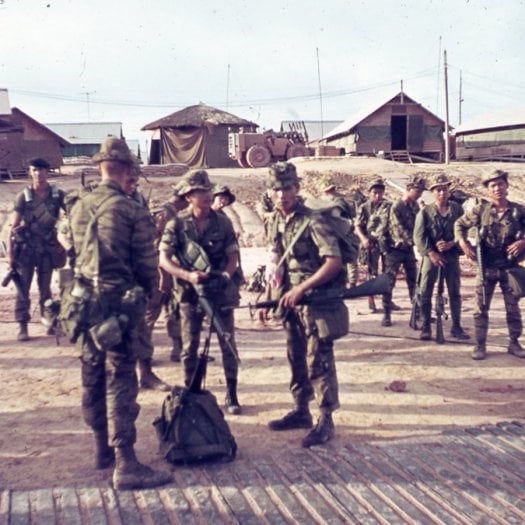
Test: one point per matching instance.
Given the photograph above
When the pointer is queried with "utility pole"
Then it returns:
(320, 91)
(228, 88)
(447, 145)
(460, 94)
(87, 93)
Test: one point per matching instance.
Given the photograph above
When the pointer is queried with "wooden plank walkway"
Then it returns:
(470, 476)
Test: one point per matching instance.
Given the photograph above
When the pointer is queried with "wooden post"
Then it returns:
(447, 145)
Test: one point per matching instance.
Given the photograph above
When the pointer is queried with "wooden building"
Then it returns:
(495, 136)
(399, 128)
(196, 136)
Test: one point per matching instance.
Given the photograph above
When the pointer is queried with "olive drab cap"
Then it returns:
(439, 179)
(39, 163)
(224, 190)
(415, 181)
(493, 175)
(376, 182)
(116, 150)
(195, 180)
(281, 175)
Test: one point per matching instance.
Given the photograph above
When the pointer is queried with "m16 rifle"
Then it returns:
(440, 307)
(480, 235)
(376, 285)
(12, 275)
(416, 302)
(370, 275)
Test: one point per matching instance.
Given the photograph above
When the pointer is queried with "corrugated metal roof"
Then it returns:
(87, 132)
(497, 119)
(352, 122)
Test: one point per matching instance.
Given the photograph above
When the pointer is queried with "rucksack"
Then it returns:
(192, 428)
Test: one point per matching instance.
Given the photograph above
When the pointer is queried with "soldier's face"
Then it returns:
(497, 189)
(376, 194)
(441, 194)
(38, 175)
(285, 198)
(200, 198)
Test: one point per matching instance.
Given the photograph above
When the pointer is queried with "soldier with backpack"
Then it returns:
(115, 273)
(32, 243)
(310, 258)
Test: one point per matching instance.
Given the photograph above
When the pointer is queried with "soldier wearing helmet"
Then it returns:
(310, 258)
(500, 227)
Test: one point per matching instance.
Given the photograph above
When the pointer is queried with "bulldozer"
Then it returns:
(258, 150)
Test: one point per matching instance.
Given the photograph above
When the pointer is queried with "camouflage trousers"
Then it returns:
(311, 360)
(491, 277)
(41, 263)
(156, 305)
(192, 319)
(394, 259)
(109, 390)
(452, 276)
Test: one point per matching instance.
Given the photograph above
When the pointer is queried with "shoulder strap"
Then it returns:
(298, 234)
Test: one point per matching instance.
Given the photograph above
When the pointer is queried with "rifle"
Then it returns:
(14, 276)
(376, 285)
(370, 275)
(440, 307)
(416, 302)
(479, 257)
(202, 290)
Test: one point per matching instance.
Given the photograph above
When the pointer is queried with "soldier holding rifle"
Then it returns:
(500, 226)
(199, 247)
(310, 258)
(434, 240)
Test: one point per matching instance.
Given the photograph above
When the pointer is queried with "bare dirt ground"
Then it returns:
(44, 442)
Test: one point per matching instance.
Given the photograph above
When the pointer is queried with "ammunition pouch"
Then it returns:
(76, 305)
(330, 319)
(109, 333)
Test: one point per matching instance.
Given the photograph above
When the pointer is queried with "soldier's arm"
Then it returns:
(15, 223)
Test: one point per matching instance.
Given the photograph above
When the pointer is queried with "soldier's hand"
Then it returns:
(444, 246)
(292, 297)
(468, 250)
(197, 277)
(516, 248)
(436, 258)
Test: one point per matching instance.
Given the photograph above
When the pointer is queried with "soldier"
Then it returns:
(113, 258)
(500, 224)
(222, 197)
(347, 210)
(210, 238)
(312, 259)
(372, 230)
(402, 218)
(434, 240)
(32, 239)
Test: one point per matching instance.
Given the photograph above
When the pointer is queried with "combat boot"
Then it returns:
(129, 474)
(480, 352)
(426, 333)
(458, 333)
(104, 454)
(22, 333)
(298, 418)
(515, 348)
(321, 433)
(148, 380)
(387, 320)
(232, 405)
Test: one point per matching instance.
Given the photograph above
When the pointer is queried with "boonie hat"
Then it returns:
(493, 175)
(282, 175)
(39, 163)
(415, 181)
(116, 150)
(439, 179)
(195, 180)
(224, 190)
(327, 184)
(376, 182)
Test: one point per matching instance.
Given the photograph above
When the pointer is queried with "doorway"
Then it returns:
(398, 132)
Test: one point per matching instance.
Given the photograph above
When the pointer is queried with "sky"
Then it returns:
(266, 61)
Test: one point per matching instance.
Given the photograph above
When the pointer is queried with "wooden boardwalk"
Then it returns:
(470, 476)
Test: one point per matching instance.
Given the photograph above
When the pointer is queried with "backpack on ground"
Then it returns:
(191, 427)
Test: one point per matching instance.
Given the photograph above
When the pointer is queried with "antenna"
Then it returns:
(438, 73)
(228, 88)
(320, 91)
(447, 145)
(461, 99)
(87, 93)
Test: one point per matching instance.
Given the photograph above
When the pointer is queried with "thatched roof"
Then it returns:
(197, 116)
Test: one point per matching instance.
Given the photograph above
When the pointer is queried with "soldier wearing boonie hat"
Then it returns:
(195, 180)
(500, 227)
(282, 175)
(376, 182)
(434, 239)
(116, 150)
(416, 181)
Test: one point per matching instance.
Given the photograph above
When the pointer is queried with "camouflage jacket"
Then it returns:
(498, 231)
(431, 226)
(124, 254)
(374, 222)
(402, 220)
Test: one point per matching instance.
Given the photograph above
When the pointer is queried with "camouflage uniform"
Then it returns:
(430, 227)
(310, 329)
(127, 257)
(497, 231)
(39, 219)
(218, 240)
